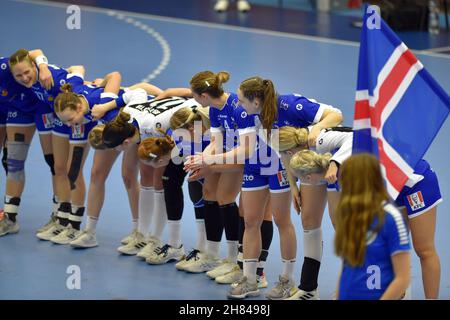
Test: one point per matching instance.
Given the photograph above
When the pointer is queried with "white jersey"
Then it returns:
(153, 116)
(335, 141)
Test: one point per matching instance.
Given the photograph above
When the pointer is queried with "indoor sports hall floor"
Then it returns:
(168, 51)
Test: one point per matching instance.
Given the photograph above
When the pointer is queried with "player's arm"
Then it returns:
(45, 76)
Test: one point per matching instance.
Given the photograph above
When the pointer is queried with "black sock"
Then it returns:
(76, 217)
(230, 218)
(310, 274)
(266, 240)
(213, 221)
(241, 240)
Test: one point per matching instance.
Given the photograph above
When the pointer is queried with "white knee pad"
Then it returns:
(17, 154)
(313, 244)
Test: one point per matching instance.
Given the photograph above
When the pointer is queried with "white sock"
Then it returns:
(174, 228)
(250, 266)
(91, 224)
(232, 247)
(288, 268)
(312, 243)
(146, 196)
(135, 224)
(201, 235)
(212, 248)
(160, 214)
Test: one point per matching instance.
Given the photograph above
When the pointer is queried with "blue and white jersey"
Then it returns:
(225, 120)
(335, 141)
(371, 280)
(11, 92)
(60, 77)
(297, 111)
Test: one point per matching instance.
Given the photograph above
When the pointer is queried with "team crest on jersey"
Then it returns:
(415, 201)
(158, 125)
(320, 141)
(47, 120)
(284, 105)
(282, 178)
(4, 93)
(299, 107)
(3, 66)
(50, 98)
(243, 114)
(62, 81)
(78, 131)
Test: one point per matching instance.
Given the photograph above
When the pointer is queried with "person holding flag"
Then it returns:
(393, 88)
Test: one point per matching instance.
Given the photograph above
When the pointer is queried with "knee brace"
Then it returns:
(51, 162)
(17, 154)
(4, 157)
(196, 193)
(75, 165)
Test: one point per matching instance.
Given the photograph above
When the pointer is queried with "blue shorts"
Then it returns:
(40, 115)
(75, 134)
(423, 196)
(253, 180)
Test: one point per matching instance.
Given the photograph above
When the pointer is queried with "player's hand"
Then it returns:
(199, 174)
(194, 163)
(331, 174)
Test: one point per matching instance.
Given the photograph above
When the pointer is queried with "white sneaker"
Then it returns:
(203, 264)
(7, 226)
(225, 267)
(282, 289)
(243, 6)
(86, 239)
(297, 294)
(260, 280)
(165, 254)
(134, 246)
(51, 232)
(66, 236)
(221, 5)
(48, 225)
(231, 277)
(148, 250)
(128, 238)
(243, 289)
(192, 256)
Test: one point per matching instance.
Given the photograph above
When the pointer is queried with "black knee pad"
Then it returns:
(196, 193)
(75, 165)
(50, 160)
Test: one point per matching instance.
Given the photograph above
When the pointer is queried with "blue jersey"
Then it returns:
(11, 92)
(96, 95)
(226, 120)
(297, 111)
(60, 77)
(371, 280)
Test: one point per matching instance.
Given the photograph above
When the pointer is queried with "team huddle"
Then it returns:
(272, 150)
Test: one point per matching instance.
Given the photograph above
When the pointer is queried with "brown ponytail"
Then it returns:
(67, 99)
(263, 89)
(152, 148)
(209, 82)
(118, 130)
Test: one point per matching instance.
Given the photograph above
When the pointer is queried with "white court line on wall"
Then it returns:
(224, 27)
